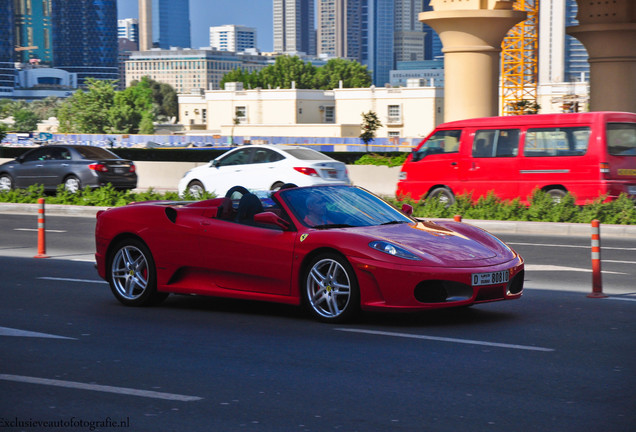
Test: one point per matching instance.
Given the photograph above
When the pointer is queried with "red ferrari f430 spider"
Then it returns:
(335, 249)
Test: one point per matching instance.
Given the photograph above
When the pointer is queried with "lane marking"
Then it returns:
(570, 246)
(621, 298)
(6, 331)
(99, 388)
(548, 267)
(444, 339)
(72, 280)
(35, 229)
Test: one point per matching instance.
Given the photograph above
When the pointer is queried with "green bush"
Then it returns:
(542, 207)
(388, 159)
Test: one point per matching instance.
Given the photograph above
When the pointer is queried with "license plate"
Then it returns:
(332, 174)
(491, 278)
(120, 170)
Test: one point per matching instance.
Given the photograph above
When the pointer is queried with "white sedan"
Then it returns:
(263, 167)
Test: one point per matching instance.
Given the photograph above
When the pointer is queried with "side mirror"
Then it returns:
(269, 218)
(407, 209)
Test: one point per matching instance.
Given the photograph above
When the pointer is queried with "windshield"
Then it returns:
(95, 153)
(621, 139)
(307, 154)
(339, 206)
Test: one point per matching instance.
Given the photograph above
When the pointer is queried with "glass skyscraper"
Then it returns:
(379, 22)
(171, 23)
(85, 38)
(575, 54)
(294, 29)
(7, 48)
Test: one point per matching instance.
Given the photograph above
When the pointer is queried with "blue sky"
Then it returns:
(207, 13)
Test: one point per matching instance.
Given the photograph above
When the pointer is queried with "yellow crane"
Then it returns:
(26, 48)
(519, 63)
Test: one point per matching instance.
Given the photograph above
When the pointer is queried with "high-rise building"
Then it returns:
(85, 38)
(164, 24)
(234, 38)
(33, 31)
(7, 48)
(409, 31)
(128, 28)
(562, 58)
(432, 42)
(294, 29)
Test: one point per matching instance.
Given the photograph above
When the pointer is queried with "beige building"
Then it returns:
(406, 112)
(187, 69)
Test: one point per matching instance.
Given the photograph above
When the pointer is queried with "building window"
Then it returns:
(240, 114)
(394, 114)
(330, 114)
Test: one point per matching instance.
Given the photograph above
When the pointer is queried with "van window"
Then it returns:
(621, 139)
(496, 143)
(567, 141)
(445, 141)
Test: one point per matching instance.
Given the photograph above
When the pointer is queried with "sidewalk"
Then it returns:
(504, 227)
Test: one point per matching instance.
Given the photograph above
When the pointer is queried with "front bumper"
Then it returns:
(385, 286)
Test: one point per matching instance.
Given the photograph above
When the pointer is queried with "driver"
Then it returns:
(316, 211)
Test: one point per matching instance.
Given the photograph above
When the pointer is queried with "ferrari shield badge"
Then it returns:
(303, 237)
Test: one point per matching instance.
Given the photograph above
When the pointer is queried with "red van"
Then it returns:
(586, 154)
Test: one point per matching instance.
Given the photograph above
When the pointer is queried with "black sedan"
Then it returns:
(73, 166)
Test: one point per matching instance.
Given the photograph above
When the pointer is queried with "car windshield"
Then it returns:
(95, 153)
(339, 207)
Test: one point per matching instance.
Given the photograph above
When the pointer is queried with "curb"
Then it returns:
(501, 227)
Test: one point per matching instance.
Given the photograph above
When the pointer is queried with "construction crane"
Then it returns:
(519, 63)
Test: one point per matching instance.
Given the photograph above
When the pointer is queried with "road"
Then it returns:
(73, 356)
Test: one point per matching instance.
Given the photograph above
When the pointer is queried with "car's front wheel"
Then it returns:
(132, 275)
(6, 182)
(195, 189)
(331, 290)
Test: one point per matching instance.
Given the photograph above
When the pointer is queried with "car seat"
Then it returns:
(249, 205)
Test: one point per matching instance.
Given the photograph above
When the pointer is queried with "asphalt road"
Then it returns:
(71, 355)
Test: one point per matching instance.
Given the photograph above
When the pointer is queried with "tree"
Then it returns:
(370, 124)
(288, 69)
(88, 111)
(3, 131)
(25, 120)
(351, 73)
(164, 97)
(101, 109)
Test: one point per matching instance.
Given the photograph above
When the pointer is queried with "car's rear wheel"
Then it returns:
(72, 184)
(6, 182)
(556, 195)
(195, 189)
(331, 290)
(132, 274)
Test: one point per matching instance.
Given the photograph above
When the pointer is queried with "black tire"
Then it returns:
(132, 274)
(195, 189)
(556, 195)
(330, 289)
(236, 190)
(6, 182)
(276, 186)
(442, 194)
(72, 184)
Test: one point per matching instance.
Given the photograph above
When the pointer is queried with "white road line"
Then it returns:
(621, 298)
(571, 246)
(73, 280)
(444, 339)
(99, 388)
(6, 331)
(548, 267)
(35, 229)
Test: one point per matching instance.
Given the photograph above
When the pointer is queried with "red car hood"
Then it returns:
(447, 242)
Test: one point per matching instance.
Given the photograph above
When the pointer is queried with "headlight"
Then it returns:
(391, 249)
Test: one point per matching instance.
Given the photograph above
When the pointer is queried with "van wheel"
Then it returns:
(556, 195)
(444, 195)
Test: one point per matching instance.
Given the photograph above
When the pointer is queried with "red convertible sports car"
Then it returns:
(333, 249)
